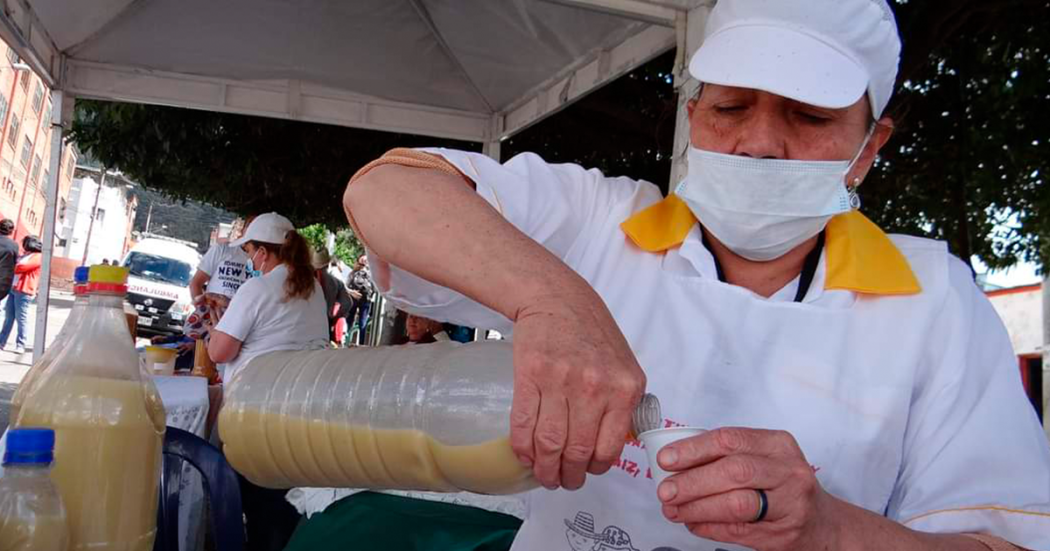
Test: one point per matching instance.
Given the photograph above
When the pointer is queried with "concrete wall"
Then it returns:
(1021, 310)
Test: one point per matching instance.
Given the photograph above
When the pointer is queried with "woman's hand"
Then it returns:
(576, 383)
(714, 491)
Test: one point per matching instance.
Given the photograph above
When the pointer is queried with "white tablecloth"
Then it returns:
(186, 407)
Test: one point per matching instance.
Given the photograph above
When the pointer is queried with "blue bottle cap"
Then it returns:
(80, 275)
(30, 446)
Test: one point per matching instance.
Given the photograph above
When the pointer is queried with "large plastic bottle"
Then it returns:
(109, 426)
(418, 417)
(31, 514)
(76, 314)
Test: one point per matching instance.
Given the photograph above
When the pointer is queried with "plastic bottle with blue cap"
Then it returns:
(32, 517)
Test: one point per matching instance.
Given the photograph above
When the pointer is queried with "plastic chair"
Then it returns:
(220, 485)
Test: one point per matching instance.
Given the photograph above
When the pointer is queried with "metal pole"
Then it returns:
(61, 116)
(1046, 356)
(94, 214)
(689, 31)
(149, 216)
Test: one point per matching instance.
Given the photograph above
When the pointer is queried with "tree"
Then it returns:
(347, 247)
(966, 165)
(247, 165)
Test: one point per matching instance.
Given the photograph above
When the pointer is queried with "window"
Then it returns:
(36, 170)
(38, 97)
(159, 268)
(100, 215)
(27, 152)
(12, 56)
(47, 116)
(25, 80)
(12, 133)
(70, 165)
(45, 182)
(3, 109)
(61, 212)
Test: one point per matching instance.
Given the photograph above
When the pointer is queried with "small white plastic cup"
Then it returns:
(655, 440)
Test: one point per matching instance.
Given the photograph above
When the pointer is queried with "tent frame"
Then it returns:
(671, 23)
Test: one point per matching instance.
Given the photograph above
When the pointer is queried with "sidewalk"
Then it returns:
(12, 366)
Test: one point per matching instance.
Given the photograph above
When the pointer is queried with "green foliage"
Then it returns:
(971, 149)
(347, 247)
(316, 235)
(246, 165)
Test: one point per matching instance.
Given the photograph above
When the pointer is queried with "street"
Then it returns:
(12, 366)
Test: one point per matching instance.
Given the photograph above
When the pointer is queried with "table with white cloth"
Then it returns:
(186, 407)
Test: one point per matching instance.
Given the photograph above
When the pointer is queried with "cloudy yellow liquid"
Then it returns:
(108, 436)
(283, 451)
(42, 534)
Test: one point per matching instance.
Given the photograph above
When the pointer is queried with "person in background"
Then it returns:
(8, 257)
(281, 309)
(222, 271)
(361, 288)
(422, 330)
(105, 262)
(27, 272)
(337, 301)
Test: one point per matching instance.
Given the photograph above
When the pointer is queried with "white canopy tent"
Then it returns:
(476, 70)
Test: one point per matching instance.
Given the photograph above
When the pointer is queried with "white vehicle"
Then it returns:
(158, 284)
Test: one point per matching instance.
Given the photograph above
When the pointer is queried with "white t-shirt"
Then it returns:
(263, 321)
(910, 406)
(227, 268)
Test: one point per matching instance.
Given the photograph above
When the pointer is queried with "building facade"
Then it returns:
(1021, 309)
(25, 147)
(96, 218)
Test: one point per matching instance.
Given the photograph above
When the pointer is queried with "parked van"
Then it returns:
(159, 276)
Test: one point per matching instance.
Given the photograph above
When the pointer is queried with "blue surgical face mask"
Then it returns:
(250, 266)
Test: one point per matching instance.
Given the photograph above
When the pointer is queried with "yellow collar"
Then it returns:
(860, 257)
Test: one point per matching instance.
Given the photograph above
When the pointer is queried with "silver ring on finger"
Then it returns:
(763, 506)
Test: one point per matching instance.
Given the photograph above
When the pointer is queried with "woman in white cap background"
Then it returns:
(281, 309)
(862, 391)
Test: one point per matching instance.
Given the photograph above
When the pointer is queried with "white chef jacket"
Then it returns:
(894, 373)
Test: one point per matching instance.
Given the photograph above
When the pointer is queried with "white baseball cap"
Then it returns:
(266, 228)
(825, 53)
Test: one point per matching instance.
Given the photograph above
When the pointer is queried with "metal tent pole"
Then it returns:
(61, 118)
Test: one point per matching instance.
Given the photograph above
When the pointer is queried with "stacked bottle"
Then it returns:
(109, 425)
(421, 417)
(31, 514)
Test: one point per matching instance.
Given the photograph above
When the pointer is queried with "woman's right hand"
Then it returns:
(576, 384)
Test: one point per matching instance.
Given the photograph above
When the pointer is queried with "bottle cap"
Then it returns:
(80, 275)
(111, 279)
(30, 446)
(117, 275)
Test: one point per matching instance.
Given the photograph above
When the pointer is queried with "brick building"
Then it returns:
(25, 147)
